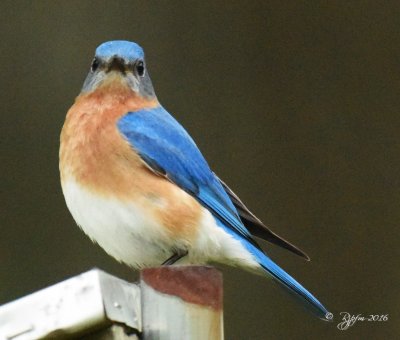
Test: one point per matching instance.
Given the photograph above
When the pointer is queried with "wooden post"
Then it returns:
(181, 303)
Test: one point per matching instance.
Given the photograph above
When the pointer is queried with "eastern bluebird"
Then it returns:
(136, 183)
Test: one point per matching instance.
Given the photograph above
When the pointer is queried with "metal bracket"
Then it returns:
(91, 300)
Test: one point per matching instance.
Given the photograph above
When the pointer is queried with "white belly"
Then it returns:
(128, 234)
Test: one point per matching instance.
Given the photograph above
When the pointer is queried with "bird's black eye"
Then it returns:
(140, 68)
(95, 64)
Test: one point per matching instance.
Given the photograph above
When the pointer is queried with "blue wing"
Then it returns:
(169, 150)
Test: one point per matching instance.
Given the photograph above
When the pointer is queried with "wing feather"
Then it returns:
(169, 151)
(257, 228)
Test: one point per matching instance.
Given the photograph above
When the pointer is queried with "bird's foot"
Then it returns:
(175, 257)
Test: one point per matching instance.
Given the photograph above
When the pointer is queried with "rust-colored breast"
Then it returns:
(92, 150)
(94, 154)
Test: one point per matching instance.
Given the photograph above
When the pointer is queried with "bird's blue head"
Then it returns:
(123, 59)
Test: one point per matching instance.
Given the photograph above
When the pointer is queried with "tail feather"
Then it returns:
(300, 293)
(278, 274)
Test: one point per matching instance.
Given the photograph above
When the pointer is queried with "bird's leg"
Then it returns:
(175, 257)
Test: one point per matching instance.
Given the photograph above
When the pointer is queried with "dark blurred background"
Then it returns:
(295, 105)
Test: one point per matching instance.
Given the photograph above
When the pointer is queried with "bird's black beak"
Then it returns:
(116, 64)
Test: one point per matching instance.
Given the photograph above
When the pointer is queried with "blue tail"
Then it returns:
(278, 274)
(302, 294)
